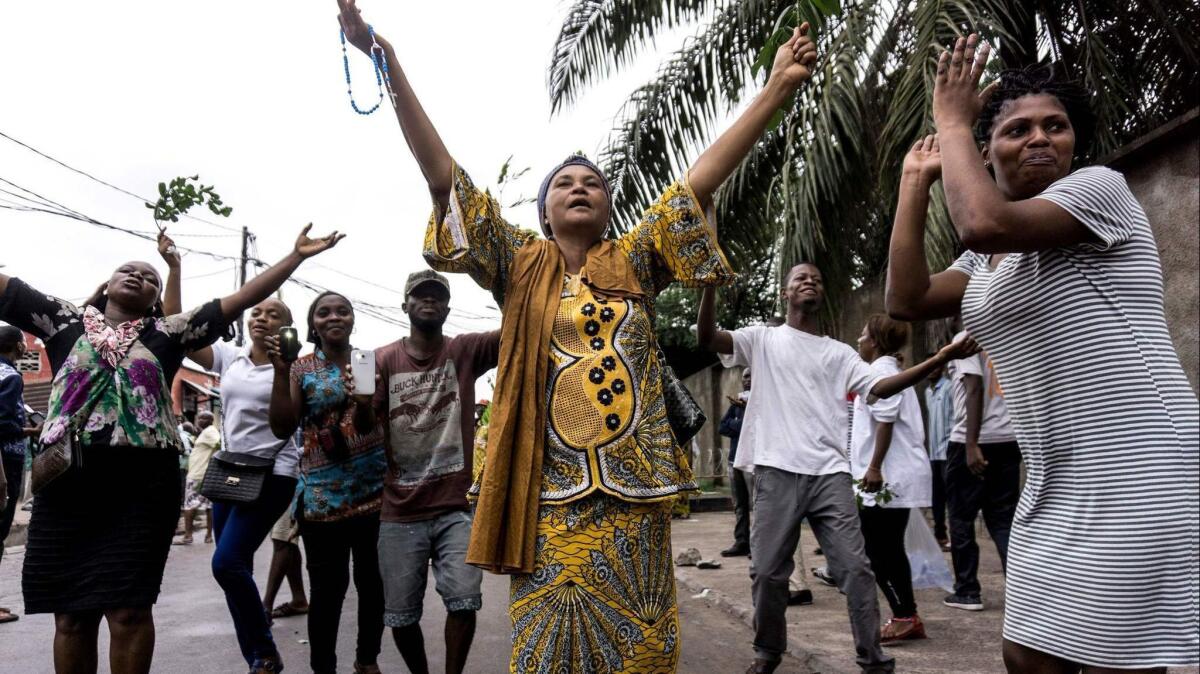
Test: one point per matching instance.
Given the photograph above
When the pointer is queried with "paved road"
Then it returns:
(196, 635)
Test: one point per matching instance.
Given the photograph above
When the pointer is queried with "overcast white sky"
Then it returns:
(251, 96)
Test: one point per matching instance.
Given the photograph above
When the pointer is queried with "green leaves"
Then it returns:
(181, 194)
(821, 182)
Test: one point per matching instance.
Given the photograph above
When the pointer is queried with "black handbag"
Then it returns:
(235, 477)
(683, 412)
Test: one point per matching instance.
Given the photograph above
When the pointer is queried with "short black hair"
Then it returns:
(1050, 79)
(10, 337)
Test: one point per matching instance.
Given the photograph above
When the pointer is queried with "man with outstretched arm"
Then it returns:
(793, 440)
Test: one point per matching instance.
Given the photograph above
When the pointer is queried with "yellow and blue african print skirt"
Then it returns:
(602, 595)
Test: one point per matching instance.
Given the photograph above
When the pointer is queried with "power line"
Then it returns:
(108, 184)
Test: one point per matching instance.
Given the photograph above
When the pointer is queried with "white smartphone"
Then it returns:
(362, 366)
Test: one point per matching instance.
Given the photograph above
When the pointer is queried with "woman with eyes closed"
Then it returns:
(1063, 287)
(574, 499)
(342, 469)
(113, 362)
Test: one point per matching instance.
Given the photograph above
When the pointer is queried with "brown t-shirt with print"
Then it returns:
(427, 409)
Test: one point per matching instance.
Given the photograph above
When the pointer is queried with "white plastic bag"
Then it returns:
(929, 567)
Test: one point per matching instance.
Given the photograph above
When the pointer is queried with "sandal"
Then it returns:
(186, 540)
(7, 616)
(287, 610)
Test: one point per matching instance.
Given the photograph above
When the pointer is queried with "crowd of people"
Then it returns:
(570, 486)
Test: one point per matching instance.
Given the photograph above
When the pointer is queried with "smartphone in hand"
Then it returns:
(362, 366)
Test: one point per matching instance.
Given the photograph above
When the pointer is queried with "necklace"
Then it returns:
(382, 77)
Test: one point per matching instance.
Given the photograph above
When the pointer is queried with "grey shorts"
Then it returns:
(405, 552)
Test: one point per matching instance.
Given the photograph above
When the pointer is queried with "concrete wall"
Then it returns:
(1163, 170)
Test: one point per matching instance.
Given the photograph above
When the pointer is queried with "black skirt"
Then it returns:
(99, 535)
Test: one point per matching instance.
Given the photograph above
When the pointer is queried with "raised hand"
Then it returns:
(959, 349)
(795, 58)
(306, 247)
(167, 249)
(924, 160)
(957, 99)
(353, 25)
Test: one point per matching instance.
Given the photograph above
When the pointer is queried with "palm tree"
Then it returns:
(821, 184)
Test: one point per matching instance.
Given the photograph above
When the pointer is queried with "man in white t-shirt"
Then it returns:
(983, 472)
(793, 439)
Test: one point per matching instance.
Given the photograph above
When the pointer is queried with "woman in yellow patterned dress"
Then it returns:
(581, 465)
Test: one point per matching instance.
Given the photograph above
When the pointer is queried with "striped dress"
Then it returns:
(1103, 560)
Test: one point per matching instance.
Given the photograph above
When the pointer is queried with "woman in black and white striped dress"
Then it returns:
(1062, 286)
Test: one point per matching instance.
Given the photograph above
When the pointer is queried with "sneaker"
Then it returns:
(800, 598)
(902, 629)
(738, 550)
(821, 573)
(963, 602)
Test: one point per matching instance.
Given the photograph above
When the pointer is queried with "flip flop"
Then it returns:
(286, 610)
(7, 616)
(182, 541)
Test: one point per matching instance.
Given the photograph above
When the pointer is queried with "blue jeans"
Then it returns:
(239, 529)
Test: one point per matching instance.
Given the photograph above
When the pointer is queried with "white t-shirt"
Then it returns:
(995, 426)
(245, 401)
(797, 419)
(906, 467)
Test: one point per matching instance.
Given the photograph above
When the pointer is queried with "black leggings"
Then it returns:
(883, 533)
(328, 547)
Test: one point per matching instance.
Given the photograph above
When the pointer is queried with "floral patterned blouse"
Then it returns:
(341, 472)
(131, 403)
(607, 426)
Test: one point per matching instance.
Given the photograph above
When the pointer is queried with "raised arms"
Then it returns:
(793, 63)
(422, 138)
(707, 334)
(912, 294)
(173, 293)
(260, 287)
(987, 221)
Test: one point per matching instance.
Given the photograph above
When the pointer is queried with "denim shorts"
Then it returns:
(405, 552)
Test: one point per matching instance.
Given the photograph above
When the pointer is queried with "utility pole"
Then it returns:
(241, 329)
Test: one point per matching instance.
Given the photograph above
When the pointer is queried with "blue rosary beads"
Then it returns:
(379, 61)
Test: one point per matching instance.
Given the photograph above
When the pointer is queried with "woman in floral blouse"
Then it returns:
(113, 362)
(341, 482)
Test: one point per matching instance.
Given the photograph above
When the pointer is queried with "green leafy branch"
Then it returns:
(882, 497)
(181, 194)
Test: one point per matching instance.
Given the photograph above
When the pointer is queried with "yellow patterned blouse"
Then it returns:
(607, 424)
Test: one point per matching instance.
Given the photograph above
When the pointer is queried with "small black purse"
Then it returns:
(235, 477)
(683, 412)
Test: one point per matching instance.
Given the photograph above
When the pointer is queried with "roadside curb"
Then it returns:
(812, 662)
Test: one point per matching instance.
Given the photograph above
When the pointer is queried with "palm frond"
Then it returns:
(599, 37)
(666, 118)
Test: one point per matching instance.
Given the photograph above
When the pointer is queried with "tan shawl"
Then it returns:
(505, 528)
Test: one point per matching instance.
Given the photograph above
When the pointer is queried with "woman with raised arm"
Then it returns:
(1061, 268)
(247, 376)
(582, 467)
(113, 361)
